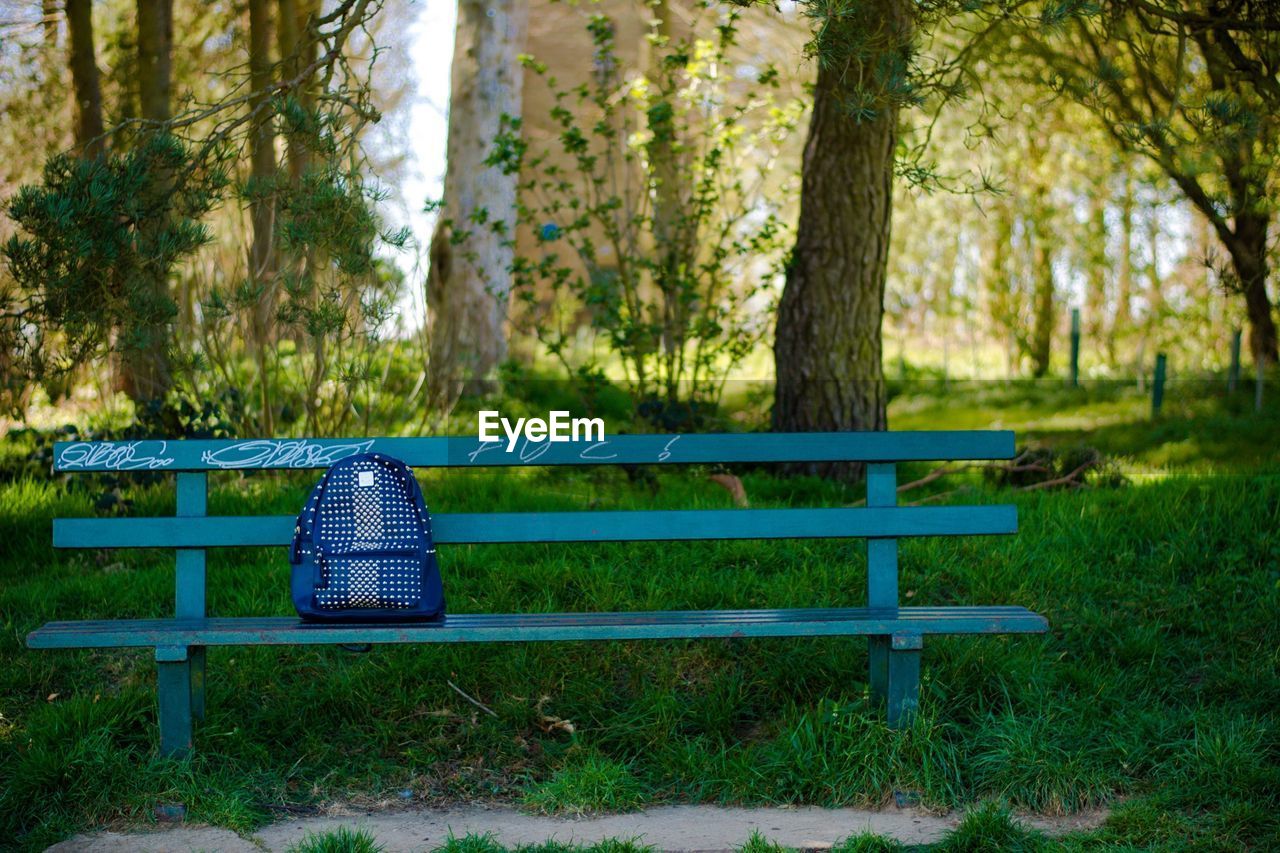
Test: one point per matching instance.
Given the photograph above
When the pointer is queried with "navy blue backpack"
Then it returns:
(362, 548)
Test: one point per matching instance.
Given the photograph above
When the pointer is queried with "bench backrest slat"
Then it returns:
(599, 526)
(468, 451)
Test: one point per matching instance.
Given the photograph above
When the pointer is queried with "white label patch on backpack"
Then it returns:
(366, 478)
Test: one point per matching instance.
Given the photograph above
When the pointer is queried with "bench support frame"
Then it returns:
(894, 660)
(173, 689)
(903, 694)
(187, 669)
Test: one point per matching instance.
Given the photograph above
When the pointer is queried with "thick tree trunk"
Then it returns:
(86, 87)
(1244, 236)
(1245, 239)
(827, 351)
(468, 283)
(147, 374)
(1249, 259)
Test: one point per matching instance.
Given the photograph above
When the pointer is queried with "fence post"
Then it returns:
(1260, 365)
(1157, 386)
(1233, 376)
(1075, 347)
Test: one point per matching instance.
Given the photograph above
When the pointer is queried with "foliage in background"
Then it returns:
(93, 233)
(320, 366)
(304, 343)
(653, 230)
(1192, 87)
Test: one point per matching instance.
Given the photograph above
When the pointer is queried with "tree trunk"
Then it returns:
(85, 84)
(297, 51)
(1001, 299)
(155, 58)
(1096, 263)
(1155, 288)
(1249, 259)
(1123, 320)
(468, 282)
(1245, 239)
(674, 245)
(1042, 314)
(827, 351)
(147, 375)
(262, 169)
(262, 157)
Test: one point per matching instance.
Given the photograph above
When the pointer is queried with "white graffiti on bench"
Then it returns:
(278, 453)
(115, 456)
(529, 451)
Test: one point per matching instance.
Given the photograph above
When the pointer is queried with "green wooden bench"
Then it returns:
(896, 634)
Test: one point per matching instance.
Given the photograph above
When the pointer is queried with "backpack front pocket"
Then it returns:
(390, 580)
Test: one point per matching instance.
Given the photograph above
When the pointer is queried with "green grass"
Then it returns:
(587, 784)
(1199, 428)
(991, 827)
(340, 840)
(1155, 692)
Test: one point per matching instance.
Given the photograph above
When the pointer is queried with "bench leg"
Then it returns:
(878, 653)
(173, 688)
(904, 679)
(196, 666)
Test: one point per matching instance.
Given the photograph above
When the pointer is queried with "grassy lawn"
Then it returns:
(1155, 692)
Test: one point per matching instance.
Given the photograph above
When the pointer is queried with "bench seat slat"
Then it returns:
(601, 526)
(468, 452)
(508, 627)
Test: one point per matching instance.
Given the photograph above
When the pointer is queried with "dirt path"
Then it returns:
(673, 828)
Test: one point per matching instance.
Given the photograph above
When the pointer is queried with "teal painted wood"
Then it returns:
(904, 679)
(882, 575)
(882, 553)
(193, 494)
(189, 580)
(173, 693)
(468, 451)
(619, 526)
(524, 627)
(189, 587)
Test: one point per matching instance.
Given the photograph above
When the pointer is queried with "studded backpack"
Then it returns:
(362, 548)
